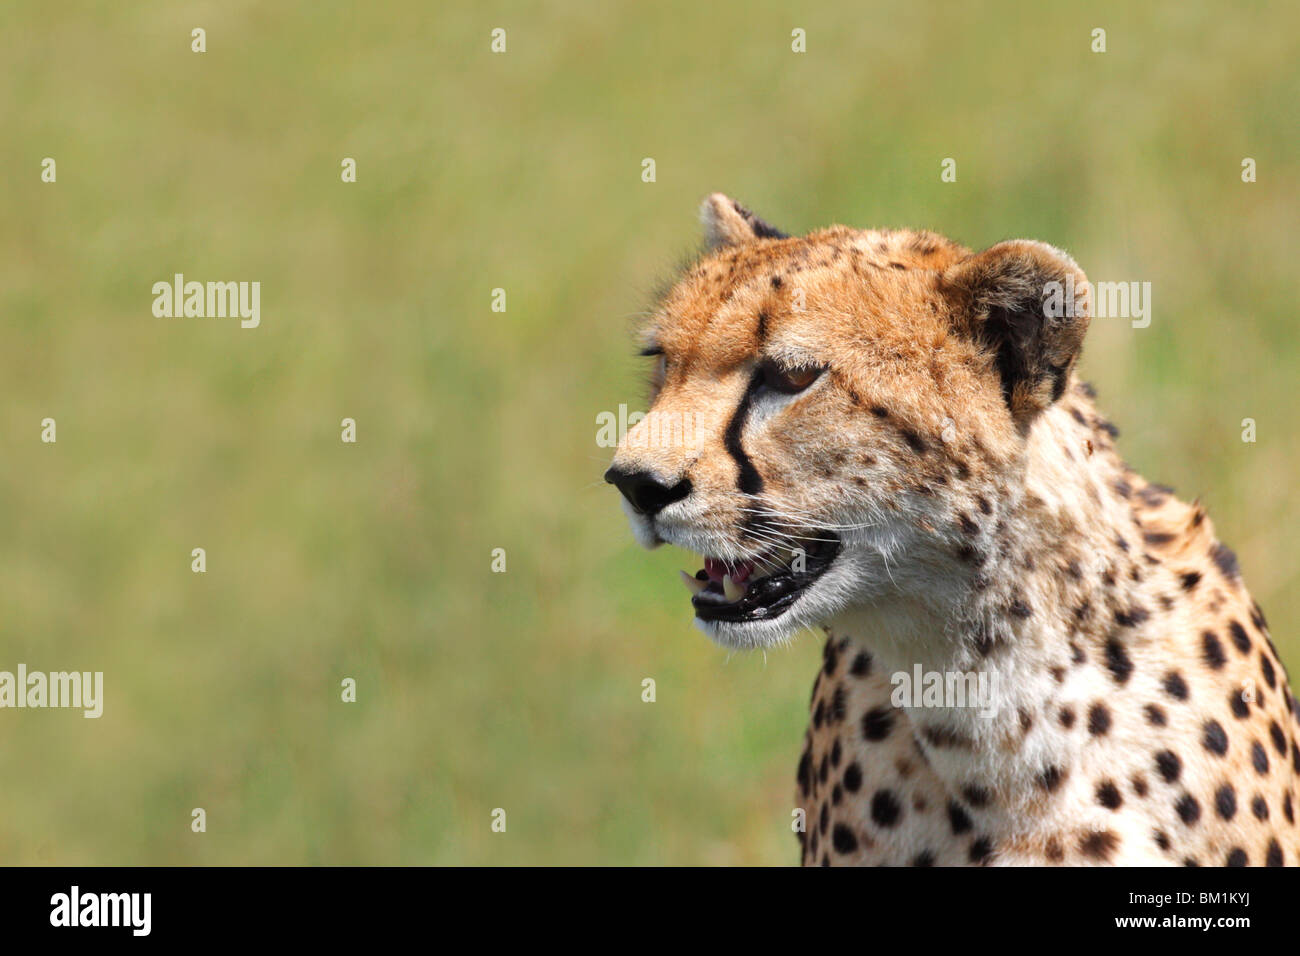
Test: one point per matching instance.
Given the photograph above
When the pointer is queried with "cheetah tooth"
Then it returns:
(731, 590)
(696, 586)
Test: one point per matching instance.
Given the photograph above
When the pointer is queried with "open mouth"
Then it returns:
(763, 588)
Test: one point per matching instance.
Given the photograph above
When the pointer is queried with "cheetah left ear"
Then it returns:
(1028, 304)
(728, 223)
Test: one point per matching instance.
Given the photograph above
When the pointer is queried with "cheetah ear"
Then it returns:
(1028, 303)
(728, 223)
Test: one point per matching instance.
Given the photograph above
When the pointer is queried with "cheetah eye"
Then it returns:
(789, 380)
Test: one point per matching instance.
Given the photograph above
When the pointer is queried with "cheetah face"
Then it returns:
(815, 404)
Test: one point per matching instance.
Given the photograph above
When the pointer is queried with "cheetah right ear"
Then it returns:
(728, 223)
(1028, 304)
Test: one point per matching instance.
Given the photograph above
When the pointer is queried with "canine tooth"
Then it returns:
(730, 589)
(692, 583)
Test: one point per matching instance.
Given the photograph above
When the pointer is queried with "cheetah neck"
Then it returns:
(1060, 570)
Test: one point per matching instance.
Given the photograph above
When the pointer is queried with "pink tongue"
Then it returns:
(715, 569)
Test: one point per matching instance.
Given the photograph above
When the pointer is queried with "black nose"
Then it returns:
(645, 492)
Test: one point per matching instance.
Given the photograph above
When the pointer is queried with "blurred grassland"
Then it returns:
(476, 429)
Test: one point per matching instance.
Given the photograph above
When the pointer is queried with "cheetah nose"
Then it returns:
(646, 493)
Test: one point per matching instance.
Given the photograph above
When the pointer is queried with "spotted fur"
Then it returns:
(987, 525)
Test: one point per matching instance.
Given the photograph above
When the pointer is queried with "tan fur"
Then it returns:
(993, 529)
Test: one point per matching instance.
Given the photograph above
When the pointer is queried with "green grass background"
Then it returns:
(477, 429)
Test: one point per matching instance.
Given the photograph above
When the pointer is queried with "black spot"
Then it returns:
(1020, 609)
(975, 796)
(1139, 785)
(843, 840)
(825, 819)
(1175, 686)
(839, 708)
(852, 778)
(1051, 778)
(885, 809)
(1189, 810)
(837, 795)
(1162, 840)
(925, 858)
(861, 665)
(1214, 738)
(1288, 809)
(1236, 857)
(805, 772)
(836, 753)
(1132, 617)
(877, 723)
(1169, 765)
(1067, 717)
(1259, 807)
(1212, 649)
(1098, 719)
(830, 658)
(1155, 715)
(1117, 660)
(879, 412)
(984, 642)
(968, 526)
(1190, 861)
(981, 850)
(958, 817)
(1190, 579)
(1258, 758)
(1225, 802)
(1108, 795)
(1239, 636)
(1225, 561)
(1279, 738)
(1240, 709)
(776, 282)
(914, 440)
(1266, 668)
(1274, 855)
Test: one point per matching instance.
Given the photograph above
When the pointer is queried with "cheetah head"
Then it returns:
(825, 408)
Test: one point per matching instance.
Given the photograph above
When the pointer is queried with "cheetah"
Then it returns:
(889, 443)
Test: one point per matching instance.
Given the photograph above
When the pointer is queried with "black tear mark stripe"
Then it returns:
(749, 481)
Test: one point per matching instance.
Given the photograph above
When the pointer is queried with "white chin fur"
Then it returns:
(642, 530)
